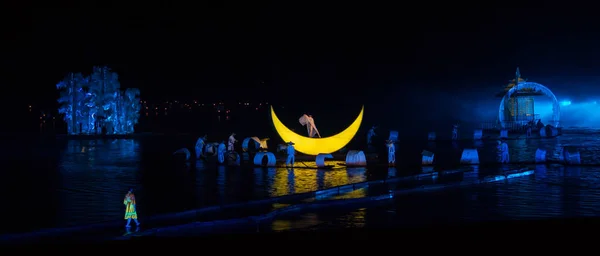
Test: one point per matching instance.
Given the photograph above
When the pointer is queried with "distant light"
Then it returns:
(565, 103)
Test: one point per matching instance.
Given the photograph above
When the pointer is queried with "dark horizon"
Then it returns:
(446, 64)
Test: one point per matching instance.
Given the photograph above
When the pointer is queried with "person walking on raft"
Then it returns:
(130, 211)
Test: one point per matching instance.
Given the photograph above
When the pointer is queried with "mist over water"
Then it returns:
(572, 113)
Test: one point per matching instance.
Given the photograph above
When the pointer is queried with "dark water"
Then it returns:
(53, 182)
(58, 182)
(556, 192)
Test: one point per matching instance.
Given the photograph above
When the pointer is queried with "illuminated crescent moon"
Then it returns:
(315, 146)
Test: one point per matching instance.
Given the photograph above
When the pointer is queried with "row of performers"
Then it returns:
(201, 147)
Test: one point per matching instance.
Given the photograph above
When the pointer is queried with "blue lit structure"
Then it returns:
(516, 107)
(96, 104)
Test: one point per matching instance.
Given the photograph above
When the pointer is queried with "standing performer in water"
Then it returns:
(130, 211)
(503, 152)
(455, 132)
(231, 142)
(391, 153)
(309, 122)
(291, 151)
(370, 135)
(221, 152)
(200, 147)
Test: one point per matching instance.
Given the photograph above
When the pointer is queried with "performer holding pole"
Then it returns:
(291, 151)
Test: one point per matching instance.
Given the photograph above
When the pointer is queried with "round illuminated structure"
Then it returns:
(532, 89)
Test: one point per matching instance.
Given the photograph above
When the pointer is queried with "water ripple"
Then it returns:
(554, 192)
(76, 182)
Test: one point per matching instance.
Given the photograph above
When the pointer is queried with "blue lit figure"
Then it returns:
(221, 152)
(231, 142)
(503, 152)
(291, 152)
(370, 135)
(455, 132)
(391, 152)
(200, 147)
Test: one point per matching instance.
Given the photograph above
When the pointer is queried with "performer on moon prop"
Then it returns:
(309, 122)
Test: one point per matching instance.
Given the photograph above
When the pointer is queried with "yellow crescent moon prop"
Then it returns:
(315, 146)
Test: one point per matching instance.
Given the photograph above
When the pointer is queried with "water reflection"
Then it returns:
(321, 179)
(84, 180)
(517, 154)
(540, 172)
(521, 150)
(573, 172)
(392, 172)
(291, 178)
(554, 191)
(129, 230)
(426, 169)
(221, 182)
(299, 222)
(357, 218)
(199, 165)
(288, 181)
(336, 178)
(355, 175)
(259, 177)
(354, 194)
(94, 176)
(431, 145)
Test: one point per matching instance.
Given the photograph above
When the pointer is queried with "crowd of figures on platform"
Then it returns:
(96, 104)
(227, 154)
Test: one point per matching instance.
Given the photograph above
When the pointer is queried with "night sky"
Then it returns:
(444, 60)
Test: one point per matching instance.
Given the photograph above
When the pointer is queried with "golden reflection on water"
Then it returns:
(279, 206)
(307, 220)
(288, 181)
(356, 175)
(359, 193)
(357, 218)
(280, 185)
(335, 178)
(305, 180)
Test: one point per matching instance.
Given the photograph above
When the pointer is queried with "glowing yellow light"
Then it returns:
(315, 146)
